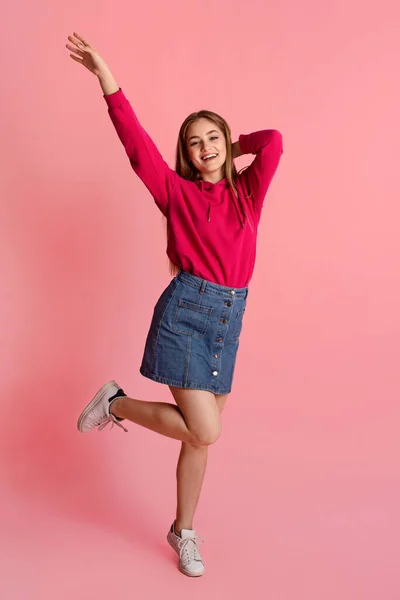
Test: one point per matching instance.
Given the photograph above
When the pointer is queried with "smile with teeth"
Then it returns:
(209, 156)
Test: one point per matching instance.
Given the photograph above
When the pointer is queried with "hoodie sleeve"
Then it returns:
(267, 146)
(143, 154)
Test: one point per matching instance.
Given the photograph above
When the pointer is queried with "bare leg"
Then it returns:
(190, 473)
(196, 422)
(164, 418)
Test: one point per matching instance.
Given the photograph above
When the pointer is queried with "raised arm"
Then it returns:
(144, 156)
(268, 147)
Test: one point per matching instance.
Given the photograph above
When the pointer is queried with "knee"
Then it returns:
(206, 437)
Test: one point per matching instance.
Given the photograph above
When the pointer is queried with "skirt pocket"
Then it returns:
(191, 318)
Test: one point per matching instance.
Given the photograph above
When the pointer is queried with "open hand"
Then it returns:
(86, 55)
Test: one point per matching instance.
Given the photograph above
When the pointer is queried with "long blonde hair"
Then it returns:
(185, 168)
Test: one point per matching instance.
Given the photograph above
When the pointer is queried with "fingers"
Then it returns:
(75, 49)
(77, 43)
(79, 60)
(81, 39)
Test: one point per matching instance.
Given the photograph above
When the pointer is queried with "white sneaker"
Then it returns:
(97, 413)
(185, 545)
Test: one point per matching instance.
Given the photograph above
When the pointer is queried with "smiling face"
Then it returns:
(206, 147)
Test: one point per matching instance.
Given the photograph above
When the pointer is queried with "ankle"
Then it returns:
(115, 408)
(179, 526)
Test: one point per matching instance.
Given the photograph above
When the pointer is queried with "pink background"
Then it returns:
(301, 497)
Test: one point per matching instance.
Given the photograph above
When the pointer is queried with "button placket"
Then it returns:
(224, 319)
(219, 340)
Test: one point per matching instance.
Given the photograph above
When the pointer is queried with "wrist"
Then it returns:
(104, 73)
(107, 82)
(236, 151)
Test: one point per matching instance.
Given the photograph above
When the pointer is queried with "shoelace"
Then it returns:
(110, 419)
(188, 549)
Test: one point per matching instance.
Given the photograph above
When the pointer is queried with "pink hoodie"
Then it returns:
(212, 234)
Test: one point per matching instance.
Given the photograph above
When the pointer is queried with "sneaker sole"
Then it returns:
(182, 570)
(98, 398)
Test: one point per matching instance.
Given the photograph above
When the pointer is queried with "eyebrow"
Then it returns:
(197, 136)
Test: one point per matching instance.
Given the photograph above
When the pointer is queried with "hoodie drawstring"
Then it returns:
(237, 202)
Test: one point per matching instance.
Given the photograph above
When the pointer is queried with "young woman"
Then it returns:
(212, 217)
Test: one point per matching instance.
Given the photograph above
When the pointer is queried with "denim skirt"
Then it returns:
(194, 334)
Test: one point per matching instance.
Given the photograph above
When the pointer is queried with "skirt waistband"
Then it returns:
(210, 287)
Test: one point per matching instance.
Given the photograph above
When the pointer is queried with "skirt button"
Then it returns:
(215, 373)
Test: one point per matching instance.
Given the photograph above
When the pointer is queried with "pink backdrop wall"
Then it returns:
(302, 493)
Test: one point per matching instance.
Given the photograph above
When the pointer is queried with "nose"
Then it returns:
(204, 145)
